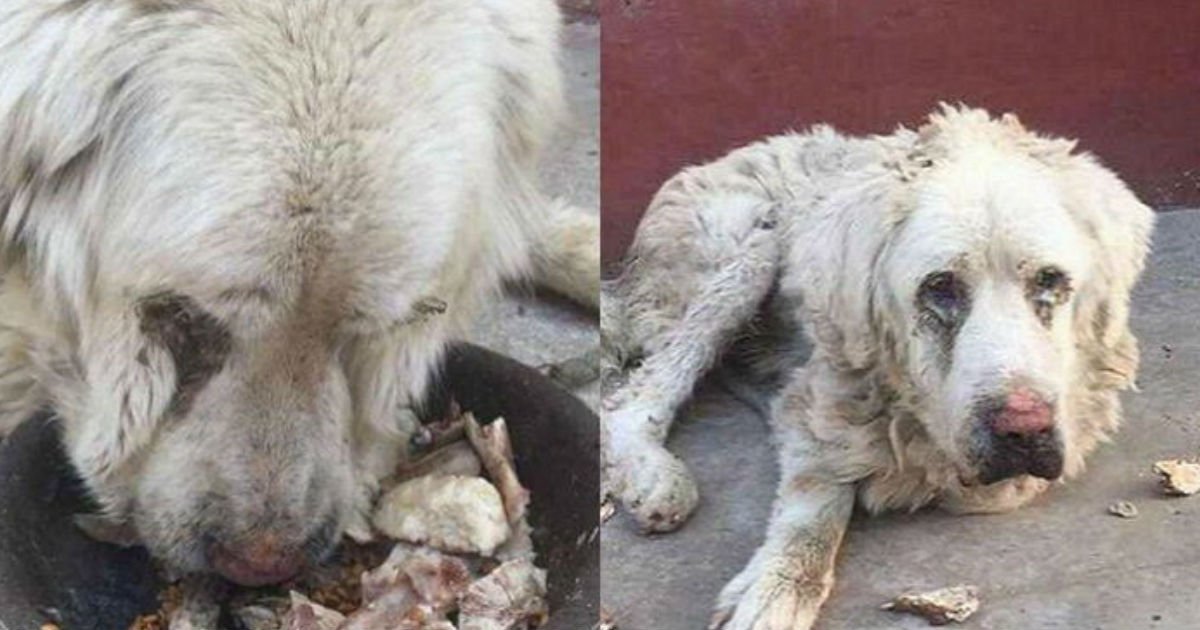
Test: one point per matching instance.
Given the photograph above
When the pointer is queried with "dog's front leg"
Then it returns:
(790, 575)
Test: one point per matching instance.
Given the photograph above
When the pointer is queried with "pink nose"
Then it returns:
(1024, 413)
(257, 562)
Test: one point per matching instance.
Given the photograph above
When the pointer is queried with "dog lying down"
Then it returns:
(236, 236)
(965, 288)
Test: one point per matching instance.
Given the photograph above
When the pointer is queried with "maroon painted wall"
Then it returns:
(686, 80)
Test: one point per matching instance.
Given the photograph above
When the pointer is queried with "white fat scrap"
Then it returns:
(1178, 477)
(308, 615)
(494, 446)
(512, 596)
(940, 607)
(451, 513)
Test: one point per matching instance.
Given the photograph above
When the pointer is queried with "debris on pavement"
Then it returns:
(1124, 509)
(607, 509)
(1178, 477)
(939, 607)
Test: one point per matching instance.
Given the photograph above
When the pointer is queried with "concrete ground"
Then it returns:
(538, 329)
(1061, 563)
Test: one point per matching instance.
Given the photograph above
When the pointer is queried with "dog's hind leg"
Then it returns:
(566, 254)
(791, 574)
(731, 260)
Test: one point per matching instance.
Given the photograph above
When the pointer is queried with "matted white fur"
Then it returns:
(836, 235)
(327, 189)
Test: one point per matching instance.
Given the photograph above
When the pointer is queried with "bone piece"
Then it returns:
(512, 596)
(494, 447)
(308, 615)
(940, 607)
(1124, 509)
(450, 513)
(1178, 477)
(432, 436)
(456, 458)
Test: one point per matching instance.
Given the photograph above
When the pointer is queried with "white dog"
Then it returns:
(966, 291)
(237, 234)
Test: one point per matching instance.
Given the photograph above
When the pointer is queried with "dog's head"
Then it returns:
(1002, 290)
(233, 384)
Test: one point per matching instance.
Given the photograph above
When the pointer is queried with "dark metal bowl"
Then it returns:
(50, 571)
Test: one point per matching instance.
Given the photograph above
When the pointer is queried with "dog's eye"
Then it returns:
(1051, 279)
(944, 295)
(1050, 287)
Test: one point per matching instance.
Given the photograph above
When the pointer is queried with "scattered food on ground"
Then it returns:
(940, 607)
(1124, 509)
(1178, 477)
(607, 509)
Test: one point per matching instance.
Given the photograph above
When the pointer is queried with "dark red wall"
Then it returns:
(686, 80)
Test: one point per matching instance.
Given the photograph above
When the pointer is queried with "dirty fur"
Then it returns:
(236, 236)
(835, 235)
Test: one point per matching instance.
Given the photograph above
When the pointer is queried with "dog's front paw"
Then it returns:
(768, 601)
(655, 486)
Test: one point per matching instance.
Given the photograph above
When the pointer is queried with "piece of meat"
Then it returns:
(512, 596)
(433, 577)
(308, 615)
(451, 513)
(494, 446)
(1178, 477)
(940, 607)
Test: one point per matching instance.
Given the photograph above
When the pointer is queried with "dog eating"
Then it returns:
(237, 235)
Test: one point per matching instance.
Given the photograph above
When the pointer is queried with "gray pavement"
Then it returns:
(1061, 563)
(538, 329)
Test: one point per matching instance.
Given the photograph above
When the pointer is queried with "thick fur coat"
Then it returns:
(237, 234)
(965, 289)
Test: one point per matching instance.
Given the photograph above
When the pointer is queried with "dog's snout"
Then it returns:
(268, 557)
(1020, 438)
(257, 561)
(1023, 414)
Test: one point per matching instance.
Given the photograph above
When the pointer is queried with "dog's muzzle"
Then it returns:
(1019, 437)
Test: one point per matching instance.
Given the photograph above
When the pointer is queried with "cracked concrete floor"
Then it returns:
(533, 328)
(1061, 563)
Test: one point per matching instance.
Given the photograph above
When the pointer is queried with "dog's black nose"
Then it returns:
(1011, 454)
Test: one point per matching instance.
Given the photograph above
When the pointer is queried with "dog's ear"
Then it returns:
(840, 284)
(130, 384)
(1119, 227)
